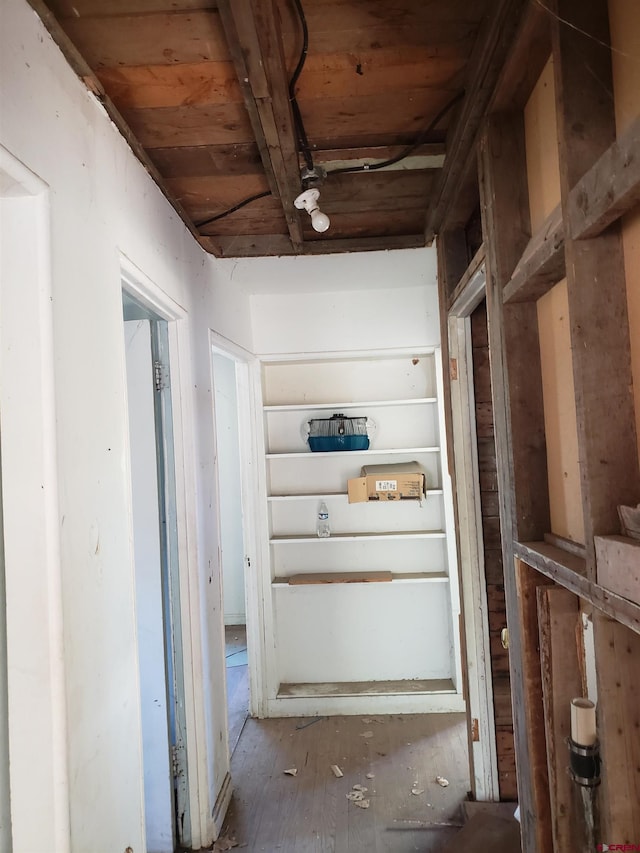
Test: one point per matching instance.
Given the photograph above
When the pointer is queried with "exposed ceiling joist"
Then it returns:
(486, 62)
(254, 39)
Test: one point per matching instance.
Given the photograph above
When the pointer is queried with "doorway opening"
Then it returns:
(226, 372)
(155, 542)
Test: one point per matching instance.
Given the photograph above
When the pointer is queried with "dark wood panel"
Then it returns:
(192, 161)
(167, 127)
(240, 224)
(409, 111)
(177, 85)
(486, 455)
(491, 532)
(490, 504)
(376, 73)
(506, 754)
(481, 375)
(559, 627)
(618, 656)
(218, 194)
(493, 570)
(484, 419)
(502, 703)
(155, 39)
(106, 8)
(370, 224)
(327, 16)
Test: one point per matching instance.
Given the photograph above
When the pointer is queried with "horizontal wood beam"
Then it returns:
(609, 189)
(569, 571)
(542, 264)
(470, 289)
(251, 246)
(529, 53)
(255, 44)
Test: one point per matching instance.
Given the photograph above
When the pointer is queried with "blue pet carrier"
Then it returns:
(338, 433)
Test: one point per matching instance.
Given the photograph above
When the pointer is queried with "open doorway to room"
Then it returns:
(152, 469)
(233, 553)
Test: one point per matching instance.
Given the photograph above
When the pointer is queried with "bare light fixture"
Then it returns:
(308, 200)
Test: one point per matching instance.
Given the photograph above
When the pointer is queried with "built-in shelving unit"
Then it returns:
(344, 630)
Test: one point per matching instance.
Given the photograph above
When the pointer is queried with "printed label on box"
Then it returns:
(386, 485)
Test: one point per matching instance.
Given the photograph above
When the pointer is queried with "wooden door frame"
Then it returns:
(249, 412)
(480, 708)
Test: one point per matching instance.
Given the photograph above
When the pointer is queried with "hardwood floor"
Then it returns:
(237, 680)
(310, 813)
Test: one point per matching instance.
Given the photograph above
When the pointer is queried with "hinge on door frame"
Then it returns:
(475, 730)
(177, 756)
(453, 369)
(160, 377)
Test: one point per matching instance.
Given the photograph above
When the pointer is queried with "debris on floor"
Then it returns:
(224, 844)
(336, 771)
(371, 775)
(366, 734)
(293, 771)
(442, 781)
(357, 796)
(416, 790)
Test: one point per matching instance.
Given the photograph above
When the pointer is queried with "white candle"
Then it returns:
(583, 722)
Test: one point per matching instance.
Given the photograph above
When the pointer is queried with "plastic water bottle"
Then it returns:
(323, 521)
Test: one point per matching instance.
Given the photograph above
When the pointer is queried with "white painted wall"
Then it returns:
(232, 540)
(389, 299)
(158, 788)
(104, 206)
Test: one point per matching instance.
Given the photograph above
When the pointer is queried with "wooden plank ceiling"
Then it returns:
(202, 86)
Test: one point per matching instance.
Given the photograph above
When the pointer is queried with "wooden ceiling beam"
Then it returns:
(254, 39)
(252, 246)
(486, 62)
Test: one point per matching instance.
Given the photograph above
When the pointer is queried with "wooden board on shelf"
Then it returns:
(340, 577)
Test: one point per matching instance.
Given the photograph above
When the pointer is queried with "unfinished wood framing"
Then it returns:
(254, 40)
(517, 401)
(609, 189)
(534, 800)
(603, 385)
(618, 653)
(558, 621)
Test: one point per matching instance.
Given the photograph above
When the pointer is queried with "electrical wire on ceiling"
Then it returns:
(303, 141)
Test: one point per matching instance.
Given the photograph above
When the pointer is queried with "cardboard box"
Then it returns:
(394, 482)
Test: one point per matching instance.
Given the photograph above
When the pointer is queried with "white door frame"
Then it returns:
(152, 296)
(35, 646)
(249, 433)
(471, 550)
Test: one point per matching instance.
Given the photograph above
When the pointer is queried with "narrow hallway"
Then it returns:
(396, 758)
